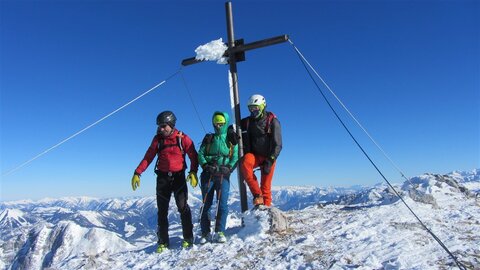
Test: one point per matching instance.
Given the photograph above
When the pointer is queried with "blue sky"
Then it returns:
(408, 70)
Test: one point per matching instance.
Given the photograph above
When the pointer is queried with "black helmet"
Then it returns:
(167, 117)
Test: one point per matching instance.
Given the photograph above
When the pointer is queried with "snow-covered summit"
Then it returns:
(12, 218)
(336, 228)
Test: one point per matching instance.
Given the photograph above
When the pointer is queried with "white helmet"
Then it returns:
(258, 100)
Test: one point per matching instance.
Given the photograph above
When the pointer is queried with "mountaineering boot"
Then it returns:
(161, 248)
(187, 243)
(258, 200)
(203, 239)
(221, 237)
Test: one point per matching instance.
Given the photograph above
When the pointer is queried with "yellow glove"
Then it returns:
(135, 181)
(193, 179)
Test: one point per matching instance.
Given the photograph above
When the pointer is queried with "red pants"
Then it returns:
(249, 162)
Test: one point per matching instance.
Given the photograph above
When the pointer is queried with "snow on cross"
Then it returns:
(212, 51)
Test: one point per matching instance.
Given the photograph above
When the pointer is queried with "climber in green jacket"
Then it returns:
(218, 156)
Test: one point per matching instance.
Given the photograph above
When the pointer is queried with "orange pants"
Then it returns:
(249, 162)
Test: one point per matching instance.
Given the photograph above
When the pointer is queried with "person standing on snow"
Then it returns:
(262, 141)
(218, 156)
(170, 145)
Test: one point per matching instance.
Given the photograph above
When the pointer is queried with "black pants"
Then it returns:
(166, 185)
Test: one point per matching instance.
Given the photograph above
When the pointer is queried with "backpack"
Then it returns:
(230, 140)
(162, 145)
(268, 126)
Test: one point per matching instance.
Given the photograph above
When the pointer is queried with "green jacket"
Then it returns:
(219, 148)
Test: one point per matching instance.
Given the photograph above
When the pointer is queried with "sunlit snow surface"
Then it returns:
(366, 228)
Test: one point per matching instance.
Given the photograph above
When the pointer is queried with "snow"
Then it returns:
(334, 228)
(256, 226)
(212, 51)
(471, 179)
(12, 218)
(129, 230)
(11, 213)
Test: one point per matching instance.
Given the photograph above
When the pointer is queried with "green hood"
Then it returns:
(222, 130)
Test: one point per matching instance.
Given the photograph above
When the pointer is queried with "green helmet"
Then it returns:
(220, 122)
(218, 119)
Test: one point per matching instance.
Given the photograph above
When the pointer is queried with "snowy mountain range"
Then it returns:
(334, 228)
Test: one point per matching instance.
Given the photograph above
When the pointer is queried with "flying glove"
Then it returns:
(225, 170)
(193, 179)
(135, 181)
(267, 165)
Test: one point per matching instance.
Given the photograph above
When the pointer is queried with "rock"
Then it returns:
(422, 197)
(277, 219)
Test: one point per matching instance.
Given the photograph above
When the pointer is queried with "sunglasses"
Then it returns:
(219, 124)
(253, 108)
(163, 126)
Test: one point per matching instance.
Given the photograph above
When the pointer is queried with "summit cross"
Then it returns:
(236, 53)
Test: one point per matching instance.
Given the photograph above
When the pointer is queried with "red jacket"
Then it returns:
(170, 159)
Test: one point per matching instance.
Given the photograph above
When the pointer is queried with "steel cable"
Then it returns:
(88, 127)
(304, 61)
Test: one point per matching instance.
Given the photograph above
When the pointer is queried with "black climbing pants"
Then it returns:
(168, 183)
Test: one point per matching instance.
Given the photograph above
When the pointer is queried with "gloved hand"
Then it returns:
(225, 170)
(135, 181)
(193, 179)
(210, 168)
(232, 136)
(267, 165)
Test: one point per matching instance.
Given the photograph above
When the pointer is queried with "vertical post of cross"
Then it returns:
(236, 101)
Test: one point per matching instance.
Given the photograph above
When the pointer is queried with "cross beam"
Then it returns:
(240, 48)
(236, 53)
